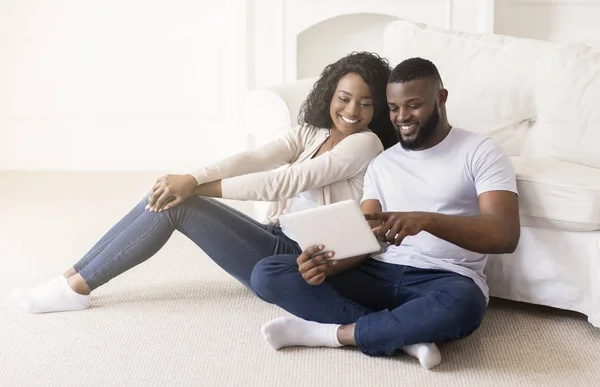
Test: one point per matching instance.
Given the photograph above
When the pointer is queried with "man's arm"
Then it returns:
(495, 231)
(368, 206)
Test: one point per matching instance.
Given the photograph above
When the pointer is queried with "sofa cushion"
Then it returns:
(566, 99)
(490, 78)
(558, 195)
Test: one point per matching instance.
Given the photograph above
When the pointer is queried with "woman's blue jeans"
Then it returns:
(233, 240)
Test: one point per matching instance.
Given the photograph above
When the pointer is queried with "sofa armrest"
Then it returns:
(268, 112)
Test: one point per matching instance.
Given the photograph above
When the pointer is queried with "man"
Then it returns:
(441, 200)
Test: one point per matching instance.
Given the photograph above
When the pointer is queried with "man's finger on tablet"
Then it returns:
(320, 259)
(313, 261)
(308, 253)
(376, 231)
(400, 237)
(394, 230)
(381, 232)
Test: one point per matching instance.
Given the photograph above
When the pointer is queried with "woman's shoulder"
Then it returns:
(308, 134)
(309, 130)
(364, 139)
(361, 141)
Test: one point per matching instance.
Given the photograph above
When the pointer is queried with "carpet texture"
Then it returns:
(178, 320)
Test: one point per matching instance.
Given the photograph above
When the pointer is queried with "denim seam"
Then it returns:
(130, 245)
(87, 261)
(434, 298)
(223, 227)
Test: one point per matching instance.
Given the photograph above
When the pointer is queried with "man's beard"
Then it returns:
(424, 132)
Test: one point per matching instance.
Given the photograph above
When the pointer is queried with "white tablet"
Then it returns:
(340, 227)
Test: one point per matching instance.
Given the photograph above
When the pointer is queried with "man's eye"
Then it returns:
(414, 106)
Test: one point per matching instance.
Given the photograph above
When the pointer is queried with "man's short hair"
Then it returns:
(412, 69)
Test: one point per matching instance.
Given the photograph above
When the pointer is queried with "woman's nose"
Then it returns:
(352, 108)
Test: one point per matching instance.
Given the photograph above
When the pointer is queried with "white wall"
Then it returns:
(158, 84)
(294, 39)
(555, 20)
(120, 84)
(364, 34)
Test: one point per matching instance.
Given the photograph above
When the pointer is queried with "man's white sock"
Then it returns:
(293, 331)
(428, 354)
(53, 296)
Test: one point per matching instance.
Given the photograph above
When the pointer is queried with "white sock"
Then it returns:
(293, 331)
(20, 292)
(53, 296)
(428, 354)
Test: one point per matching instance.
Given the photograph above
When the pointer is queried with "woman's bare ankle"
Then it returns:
(77, 283)
(69, 273)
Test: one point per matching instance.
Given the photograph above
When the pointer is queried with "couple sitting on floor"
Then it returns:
(440, 198)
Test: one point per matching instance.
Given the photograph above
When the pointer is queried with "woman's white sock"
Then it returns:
(53, 296)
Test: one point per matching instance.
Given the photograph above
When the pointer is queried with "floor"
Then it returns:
(178, 320)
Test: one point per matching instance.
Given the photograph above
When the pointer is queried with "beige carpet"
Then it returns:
(178, 320)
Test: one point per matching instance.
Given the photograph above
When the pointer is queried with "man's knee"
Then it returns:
(464, 304)
(271, 274)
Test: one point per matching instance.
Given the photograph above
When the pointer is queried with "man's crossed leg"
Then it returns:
(379, 307)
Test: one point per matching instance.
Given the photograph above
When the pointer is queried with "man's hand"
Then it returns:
(395, 226)
(313, 266)
(171, 190)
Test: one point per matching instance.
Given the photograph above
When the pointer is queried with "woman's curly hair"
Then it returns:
(375, 71)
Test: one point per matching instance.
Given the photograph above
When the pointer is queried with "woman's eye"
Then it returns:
(366, 104)
(343, 99)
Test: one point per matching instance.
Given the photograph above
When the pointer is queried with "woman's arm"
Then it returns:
(211, 190)
(269, 156)
(350, 157)
(171, 190)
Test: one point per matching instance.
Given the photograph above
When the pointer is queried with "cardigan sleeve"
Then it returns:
(266, 157)
(350, 157)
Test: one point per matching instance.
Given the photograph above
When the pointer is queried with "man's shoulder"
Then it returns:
(386, 155)
(469, 137)
(475, 144)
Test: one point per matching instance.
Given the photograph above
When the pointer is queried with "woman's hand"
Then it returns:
(313, 266)
(171, 190)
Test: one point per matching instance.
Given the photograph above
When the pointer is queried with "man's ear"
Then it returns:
(442, 98)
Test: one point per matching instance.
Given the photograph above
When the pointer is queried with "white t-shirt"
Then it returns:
(446, 179)
(303, 201)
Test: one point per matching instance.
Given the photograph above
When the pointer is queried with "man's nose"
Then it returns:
(404, 115)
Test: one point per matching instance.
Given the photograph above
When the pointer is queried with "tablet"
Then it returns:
(340, 227)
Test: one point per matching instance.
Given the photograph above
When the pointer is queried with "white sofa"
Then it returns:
(541, 102)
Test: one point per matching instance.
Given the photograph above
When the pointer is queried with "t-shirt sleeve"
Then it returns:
(369, 184)
(492, 169)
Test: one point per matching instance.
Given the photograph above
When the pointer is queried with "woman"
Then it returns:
(344, 123)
